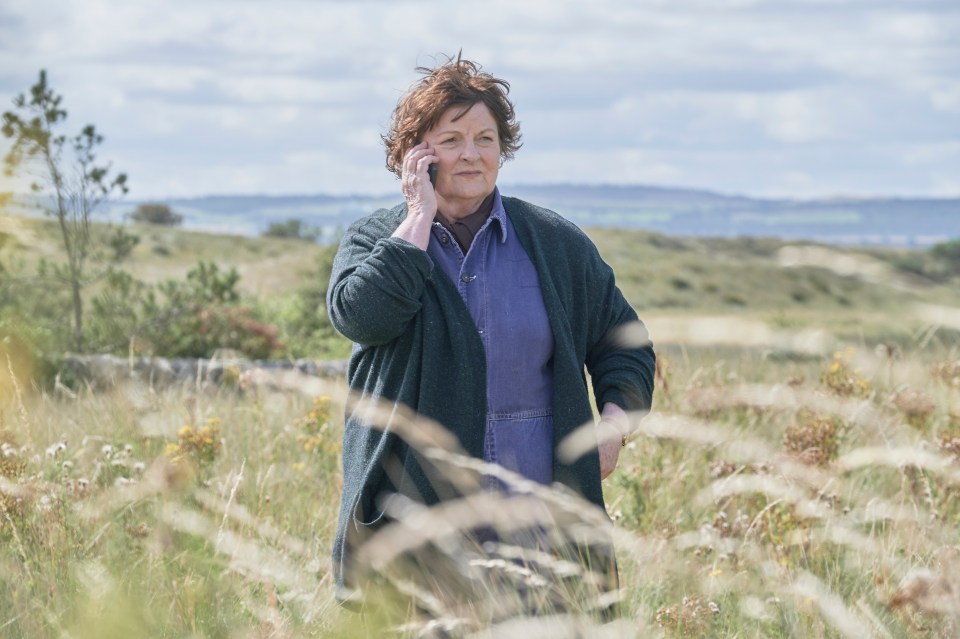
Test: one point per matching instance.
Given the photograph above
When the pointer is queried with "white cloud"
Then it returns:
(791, 117)
(797, 96)
(947, 97)
(934, 153)
(614, 166)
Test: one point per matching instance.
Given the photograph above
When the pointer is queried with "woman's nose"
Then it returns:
(469, 151)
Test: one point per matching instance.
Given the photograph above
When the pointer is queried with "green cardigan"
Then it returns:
(415, 344)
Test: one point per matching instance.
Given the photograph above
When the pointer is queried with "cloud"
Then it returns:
(802, 97)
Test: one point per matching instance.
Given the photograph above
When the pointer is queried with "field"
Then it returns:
(799, 475)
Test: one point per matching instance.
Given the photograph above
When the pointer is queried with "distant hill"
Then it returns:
(881, 221)
(901, 222)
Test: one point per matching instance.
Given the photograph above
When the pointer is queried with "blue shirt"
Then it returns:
(500, 288)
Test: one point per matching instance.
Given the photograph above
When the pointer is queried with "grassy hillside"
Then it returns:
(268, 266)
(759, 291)
(798, 475)
(655, 271)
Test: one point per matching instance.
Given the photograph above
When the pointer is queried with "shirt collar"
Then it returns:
(498, 218)
(498, 215)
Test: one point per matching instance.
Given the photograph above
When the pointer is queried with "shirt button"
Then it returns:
(466, 279)
(444, 240)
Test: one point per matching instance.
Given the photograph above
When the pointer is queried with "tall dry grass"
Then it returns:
(764, 497)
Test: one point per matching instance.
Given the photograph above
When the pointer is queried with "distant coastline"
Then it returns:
(894, 222)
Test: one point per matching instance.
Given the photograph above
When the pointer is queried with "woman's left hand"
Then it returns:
(613, 425)
(608, 445)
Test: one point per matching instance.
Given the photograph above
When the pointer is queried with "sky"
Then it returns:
(772, 98)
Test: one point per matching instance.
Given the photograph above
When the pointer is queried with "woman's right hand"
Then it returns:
(420, 196)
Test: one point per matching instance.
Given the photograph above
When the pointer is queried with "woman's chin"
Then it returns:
(465, 193)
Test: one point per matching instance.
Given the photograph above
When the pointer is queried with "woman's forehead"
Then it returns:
(458, 118)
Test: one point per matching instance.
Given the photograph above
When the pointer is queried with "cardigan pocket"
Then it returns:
(365, 513)
(358, 518)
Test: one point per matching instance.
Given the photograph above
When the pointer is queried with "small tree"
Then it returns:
(65, 172)
(156, 213)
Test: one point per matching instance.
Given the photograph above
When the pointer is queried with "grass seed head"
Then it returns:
(691, 618)
(917, 407)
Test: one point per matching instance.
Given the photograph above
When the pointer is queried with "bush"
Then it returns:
(948, 254)
(156, 213)
(303, 320)
(202, 314)
(116, 312)
(293, 229)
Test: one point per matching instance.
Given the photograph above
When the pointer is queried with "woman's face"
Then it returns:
(469, 152)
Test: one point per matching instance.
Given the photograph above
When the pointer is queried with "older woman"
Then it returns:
(476, 310)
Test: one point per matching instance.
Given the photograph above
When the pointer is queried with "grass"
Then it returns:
(798, 477)
(762, 497)
(268, 266)
(655, 272)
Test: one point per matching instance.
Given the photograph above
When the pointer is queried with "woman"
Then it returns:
(476, 310)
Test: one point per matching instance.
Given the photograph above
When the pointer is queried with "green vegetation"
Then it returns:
(63, 289)
(782, 486)
(799, 475)
(156, 213)
(275, 305)
(181, 294)
(941, 264)
(763, 497)
(293, 229)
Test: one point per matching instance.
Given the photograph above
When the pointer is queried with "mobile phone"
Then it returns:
(432, 170)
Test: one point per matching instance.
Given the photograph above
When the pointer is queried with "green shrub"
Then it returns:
(293, 229)
(302, 318)
(156, 213)
(202, 314)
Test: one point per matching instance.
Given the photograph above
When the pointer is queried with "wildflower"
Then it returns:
(106, 450)
(841, 380)
(690, 618)
(56, 449)
(44, 504)
(11, 464)
(813, 439)
(199, 444)
(317, 434)
(319, 416)
(172, 452)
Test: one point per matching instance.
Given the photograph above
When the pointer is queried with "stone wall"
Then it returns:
(104, 371)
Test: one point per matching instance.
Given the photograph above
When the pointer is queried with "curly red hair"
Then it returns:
(454, 83)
